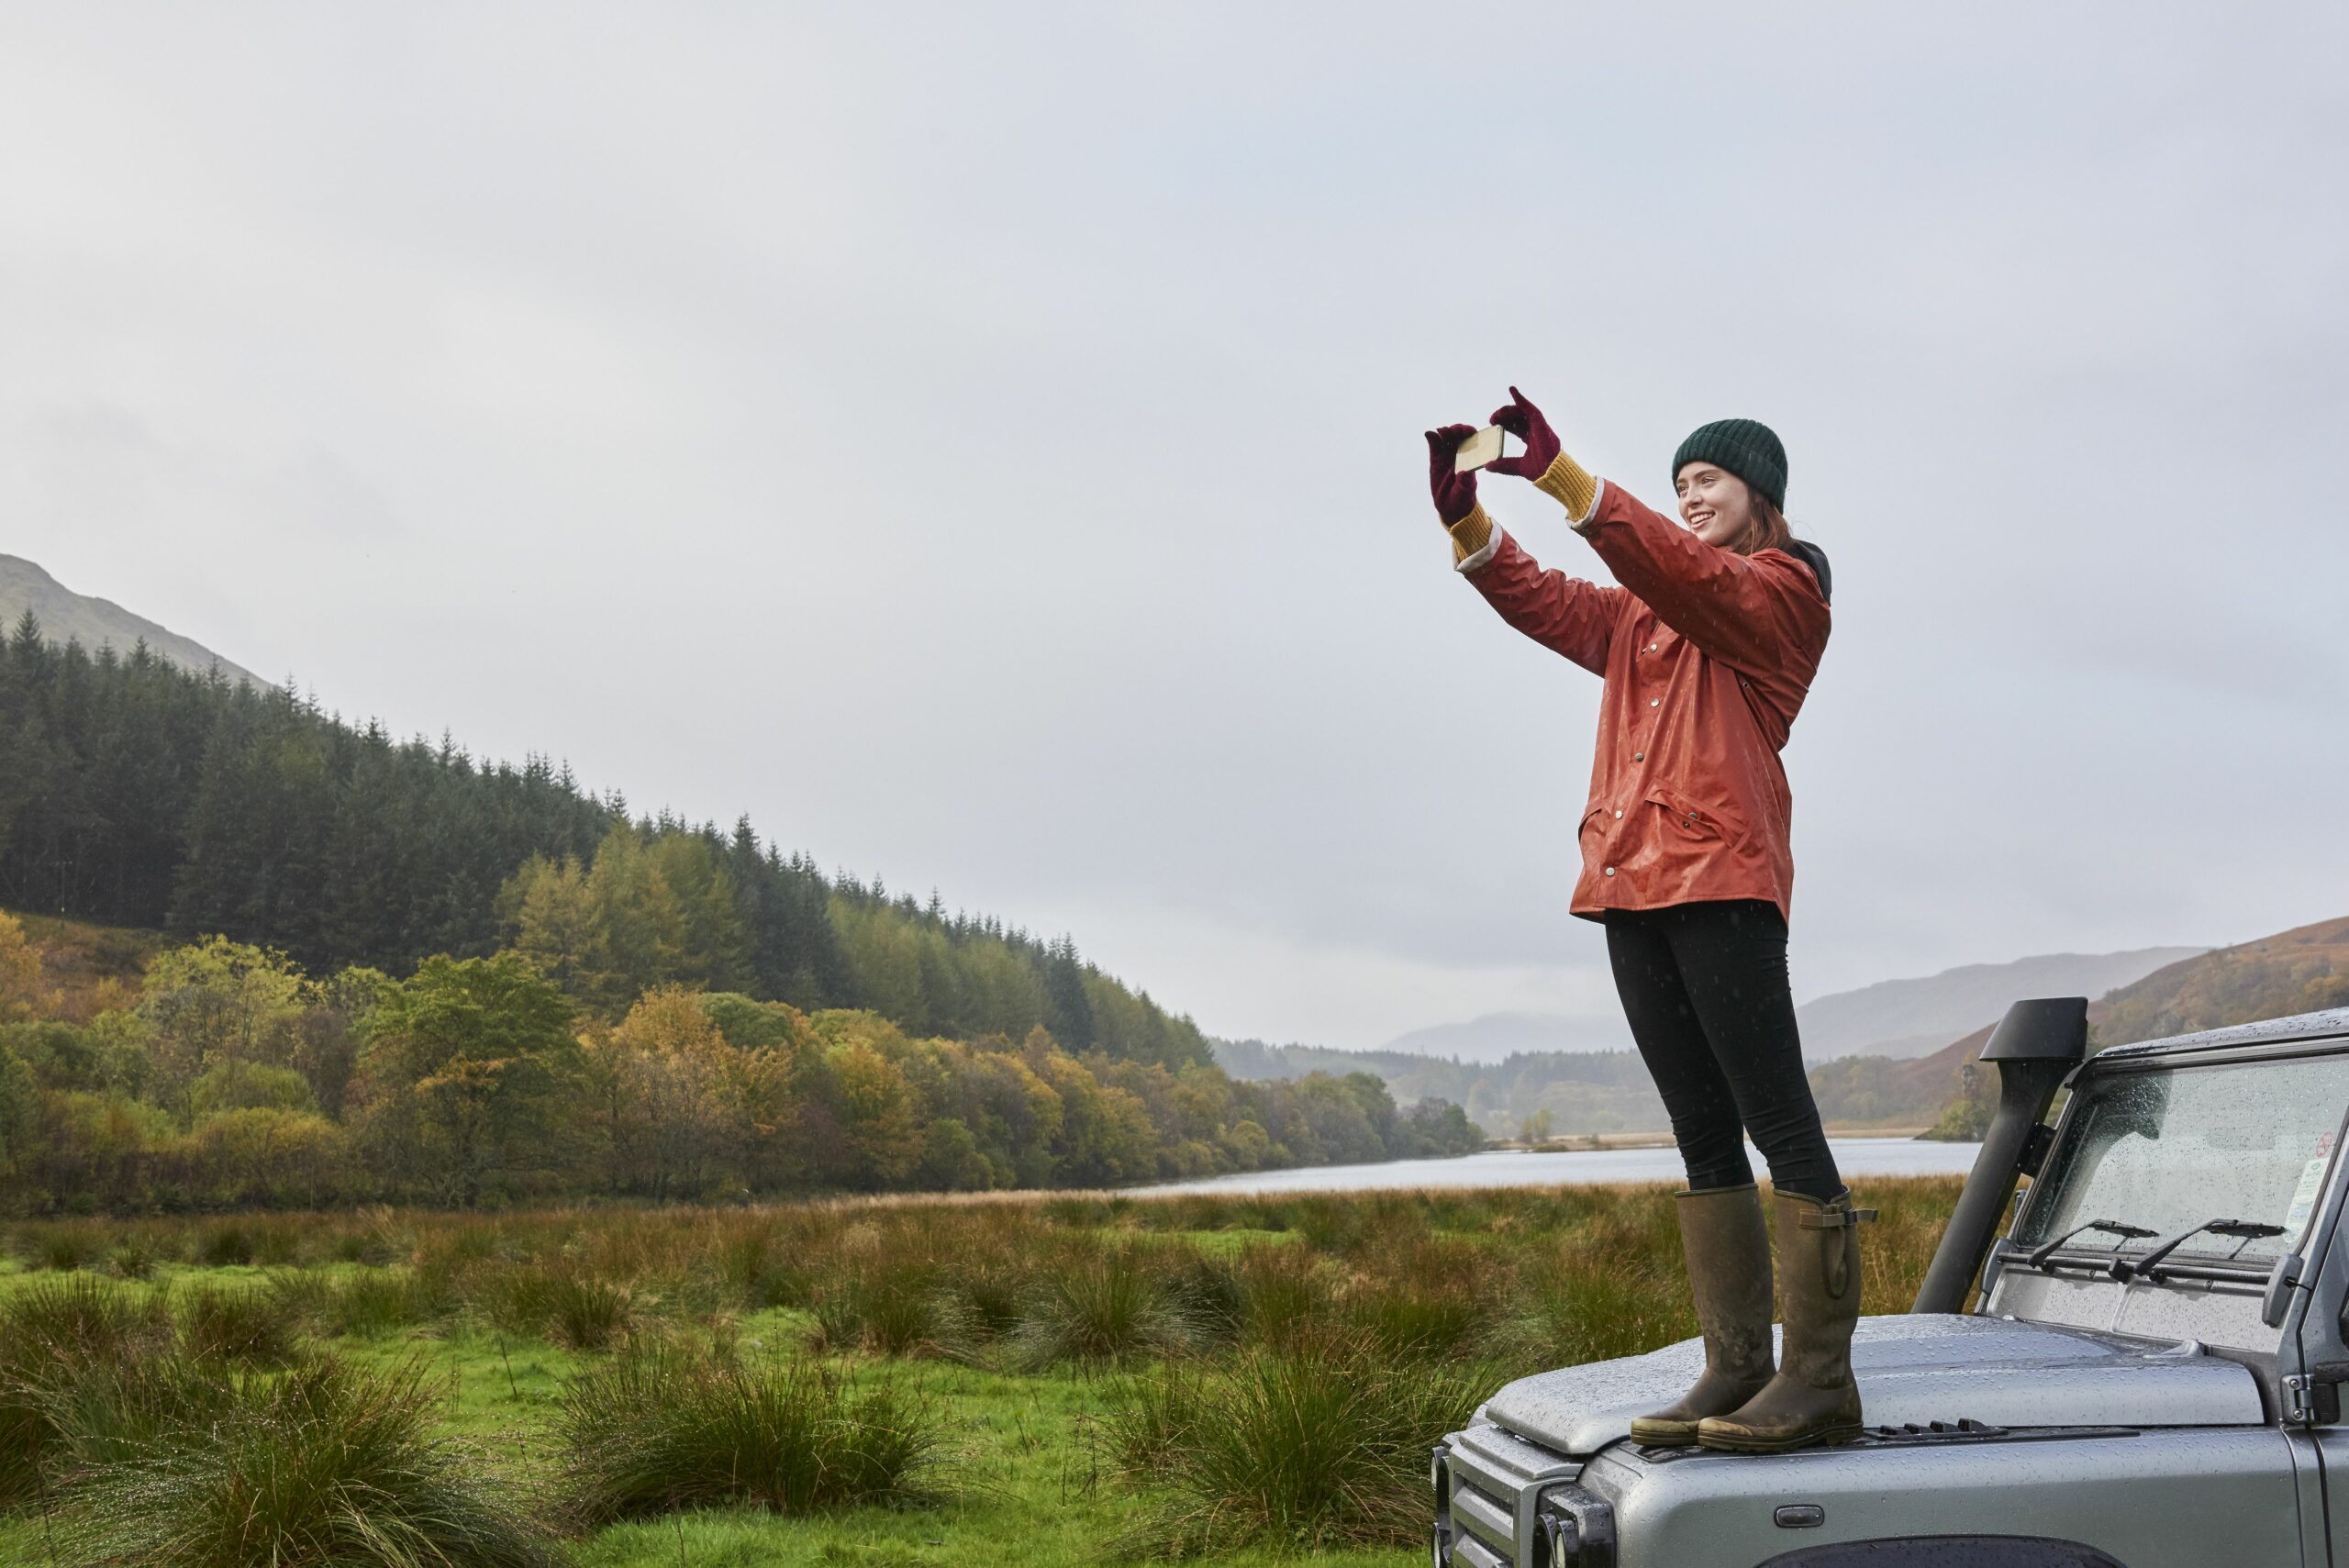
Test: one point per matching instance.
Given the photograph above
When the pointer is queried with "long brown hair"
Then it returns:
(1766, 530)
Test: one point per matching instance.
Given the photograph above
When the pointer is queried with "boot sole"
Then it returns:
(1664, 1434)
(1819, 1438)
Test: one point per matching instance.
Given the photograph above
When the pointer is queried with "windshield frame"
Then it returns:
(2190, 1260)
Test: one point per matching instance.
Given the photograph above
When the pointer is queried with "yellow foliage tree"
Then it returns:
(20, 990)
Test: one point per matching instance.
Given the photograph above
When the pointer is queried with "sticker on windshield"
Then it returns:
(2304, 1196)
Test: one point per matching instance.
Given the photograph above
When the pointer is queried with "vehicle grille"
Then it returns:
(1495, 1480)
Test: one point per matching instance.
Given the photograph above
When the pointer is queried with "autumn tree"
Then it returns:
(21, 995)
(461, 1076)
(217, 1003)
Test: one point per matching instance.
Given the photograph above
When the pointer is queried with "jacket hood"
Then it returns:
(1811, 555)
(1921, 1368)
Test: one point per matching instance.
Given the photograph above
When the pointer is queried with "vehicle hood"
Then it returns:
(1921, 1368)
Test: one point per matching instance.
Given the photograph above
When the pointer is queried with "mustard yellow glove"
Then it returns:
(1470, 534)
(1571, 485)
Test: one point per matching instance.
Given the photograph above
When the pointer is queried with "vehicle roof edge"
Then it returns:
(2321, 1024)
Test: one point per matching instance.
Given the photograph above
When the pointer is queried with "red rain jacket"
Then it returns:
(1706, 655)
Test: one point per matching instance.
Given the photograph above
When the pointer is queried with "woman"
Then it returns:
(1706, 649)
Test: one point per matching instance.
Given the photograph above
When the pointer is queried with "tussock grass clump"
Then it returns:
(364, 1302)
(1101, 1311)
(894, 1306)
(1288, 1295)
(1430, 1299)
(1309, 1448)
(667, 1428)
(324, 1464)
(225, 1245)
(574, 1308)
(52, 1334)
(1208, 1291)
(63, 1245)
(251, 1328)
(133, 1257)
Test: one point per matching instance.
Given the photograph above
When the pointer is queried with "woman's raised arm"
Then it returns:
(1566, 615)
(1763, 614)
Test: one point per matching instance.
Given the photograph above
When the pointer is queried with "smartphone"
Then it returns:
(1477, 450)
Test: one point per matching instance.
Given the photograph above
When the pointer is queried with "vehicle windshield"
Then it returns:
(2171, 1147)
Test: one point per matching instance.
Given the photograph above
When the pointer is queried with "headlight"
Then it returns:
(1575, 1529)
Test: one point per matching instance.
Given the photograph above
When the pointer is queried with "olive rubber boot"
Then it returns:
(1813, 1398)
(1728, 1250)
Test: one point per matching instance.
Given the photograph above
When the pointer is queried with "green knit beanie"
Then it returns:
(1747, 448)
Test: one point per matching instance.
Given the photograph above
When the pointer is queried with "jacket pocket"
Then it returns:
(1690, 822)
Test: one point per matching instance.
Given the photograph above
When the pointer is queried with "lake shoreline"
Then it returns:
(1876, 1153)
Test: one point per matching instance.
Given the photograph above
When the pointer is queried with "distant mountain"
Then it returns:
(1499, 1036)
(2299, 971)
(1890, 1054)
(66, 616)
(1910, 1018)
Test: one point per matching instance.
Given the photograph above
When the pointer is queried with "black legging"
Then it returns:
(1705, 988)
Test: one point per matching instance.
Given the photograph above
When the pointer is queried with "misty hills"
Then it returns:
(1917, 1017)
(2303, 970)
(66, 616)
(1892, 1018)
(1496, 1037)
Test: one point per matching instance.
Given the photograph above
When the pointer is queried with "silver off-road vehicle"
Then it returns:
(2143, 1372)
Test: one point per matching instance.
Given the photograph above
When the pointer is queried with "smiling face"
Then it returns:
(1714, 503)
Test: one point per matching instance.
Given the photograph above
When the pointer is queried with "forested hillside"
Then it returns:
(222, 1076)
(137, 794)
(382, 969)
(65, 616)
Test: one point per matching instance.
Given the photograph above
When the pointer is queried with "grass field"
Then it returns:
(1051, 1381)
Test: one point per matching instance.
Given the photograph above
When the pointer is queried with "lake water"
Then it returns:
(1518, 1168)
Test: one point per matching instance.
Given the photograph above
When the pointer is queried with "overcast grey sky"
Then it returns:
(982, 441)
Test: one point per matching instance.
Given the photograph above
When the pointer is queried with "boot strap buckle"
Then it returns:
(1834, 1219)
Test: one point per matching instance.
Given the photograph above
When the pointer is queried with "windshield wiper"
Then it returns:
(2126, 1269)
(2040, 1254)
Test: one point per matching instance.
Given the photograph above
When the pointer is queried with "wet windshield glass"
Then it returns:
(2171, 1148)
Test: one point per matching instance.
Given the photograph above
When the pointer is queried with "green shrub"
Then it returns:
(324, 1464)
(1320, 1447)
(666, 1427)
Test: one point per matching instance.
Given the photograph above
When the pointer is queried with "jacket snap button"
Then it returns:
(1611, 871)
(1638, 756)
(1618, 815)
(1655, 702)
